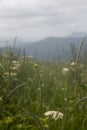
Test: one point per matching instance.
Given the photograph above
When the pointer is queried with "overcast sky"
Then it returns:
(36, 19)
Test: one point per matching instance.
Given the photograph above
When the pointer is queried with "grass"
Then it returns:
(29, 88)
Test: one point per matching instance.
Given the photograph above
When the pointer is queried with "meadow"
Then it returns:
(42, 95)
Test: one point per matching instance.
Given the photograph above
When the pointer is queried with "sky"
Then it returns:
(36, 19)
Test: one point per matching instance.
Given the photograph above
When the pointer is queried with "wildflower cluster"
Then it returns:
(65, 71)
(13, 68)
(54, 115)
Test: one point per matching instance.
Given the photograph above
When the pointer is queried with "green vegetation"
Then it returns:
(42, 95)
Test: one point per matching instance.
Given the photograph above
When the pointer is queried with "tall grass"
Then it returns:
(30, 88)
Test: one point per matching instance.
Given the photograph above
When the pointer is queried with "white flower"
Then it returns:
(54, 114)
(49, 113)
(15, 62)
(60, 115)
(65, 71)
(73, 64)
(14, 68)
(11, 74)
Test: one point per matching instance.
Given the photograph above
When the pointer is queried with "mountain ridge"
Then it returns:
(49, 48)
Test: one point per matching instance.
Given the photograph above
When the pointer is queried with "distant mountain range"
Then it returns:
(52, 48)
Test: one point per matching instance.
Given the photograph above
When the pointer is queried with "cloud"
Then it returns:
(50, 17)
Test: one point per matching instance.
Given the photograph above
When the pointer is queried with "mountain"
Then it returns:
(52, 48)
